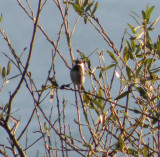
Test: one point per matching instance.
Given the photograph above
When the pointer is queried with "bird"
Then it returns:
(77, 73)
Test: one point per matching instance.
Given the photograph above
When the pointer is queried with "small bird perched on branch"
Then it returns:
(77, 73)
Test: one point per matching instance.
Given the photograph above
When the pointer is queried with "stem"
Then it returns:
(14, 140)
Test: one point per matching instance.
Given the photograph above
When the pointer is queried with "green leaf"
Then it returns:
(120, 142)
(144, 151)
(108, 67)
(100, 74)
(138, 71)
(123, 95)
(89, 6)
(3, 72)
(97, 104)
(112, 56)
(78, 9)
(87, 145)
(85, 19)
(46, 129)
(139, 56)
(91, 106)
(149, 60)
(95, 8)
(132, 152)
(128, 70)
(142, 92)
(9, 67)
(1, 17)
(100, 94)
(150, 64)
(131, 55)
(85, 98)
(149, 11)
(126, 54)
(143, 15)
(128, 45)
(85, 2)
(133, 45)
(139, 48)
(157, 46)
(132, 29)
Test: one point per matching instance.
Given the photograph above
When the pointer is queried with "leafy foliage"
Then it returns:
(85, 8)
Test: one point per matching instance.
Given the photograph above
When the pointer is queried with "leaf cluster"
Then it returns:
(5, 71)
(85, 8)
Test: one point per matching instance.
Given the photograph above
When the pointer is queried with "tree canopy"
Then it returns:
(118, 112)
